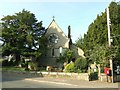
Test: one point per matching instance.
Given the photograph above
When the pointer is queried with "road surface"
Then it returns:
(14, 80)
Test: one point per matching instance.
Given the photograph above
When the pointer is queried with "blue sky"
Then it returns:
(77, 14)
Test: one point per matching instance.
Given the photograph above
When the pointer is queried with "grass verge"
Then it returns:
(11, 68)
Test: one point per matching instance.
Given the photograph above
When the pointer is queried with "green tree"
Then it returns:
(80, 42)
(95, 41)
(22, 34)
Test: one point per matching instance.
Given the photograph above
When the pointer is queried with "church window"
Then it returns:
(53, 38)
(53, 53)
(60, 49)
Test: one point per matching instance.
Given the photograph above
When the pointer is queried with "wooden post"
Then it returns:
(99, 72)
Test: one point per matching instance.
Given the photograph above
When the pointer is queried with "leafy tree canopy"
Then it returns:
(95, 41)
(23, 34)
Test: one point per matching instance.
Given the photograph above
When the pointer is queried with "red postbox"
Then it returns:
(107, 71)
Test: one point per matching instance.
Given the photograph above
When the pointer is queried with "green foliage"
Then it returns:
(100, 55)
(23, 64)
(5, 63)
(61, 59)
(66, 57)
(70, 67)
(22, 34)
(80, 42)
(11, 68)
(80, 64)
(33, 65)
(93, 76)
(8, 63)
(95, 41)
(69, 55)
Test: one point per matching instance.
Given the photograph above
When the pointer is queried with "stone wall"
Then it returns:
(80, 76)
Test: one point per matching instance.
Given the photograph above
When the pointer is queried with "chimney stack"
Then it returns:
(69, 31)
(69, 36)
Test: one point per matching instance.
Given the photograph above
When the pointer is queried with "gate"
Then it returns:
(116, 73)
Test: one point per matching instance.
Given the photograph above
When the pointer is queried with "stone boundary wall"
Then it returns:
(79, 76)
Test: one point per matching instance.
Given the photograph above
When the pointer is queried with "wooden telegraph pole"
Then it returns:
(109, 42)
(108, 25)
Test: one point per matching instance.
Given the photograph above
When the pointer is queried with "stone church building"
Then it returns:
(58, 43)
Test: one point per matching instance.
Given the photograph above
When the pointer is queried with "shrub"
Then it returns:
(23, 63)
(69, 67)
(5, 63)
(80, 64)
(33, 65)
(43, 68)
(8, 63)
(93, 76)
(66, 57)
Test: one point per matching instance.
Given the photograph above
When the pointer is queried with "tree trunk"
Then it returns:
(17, 58)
